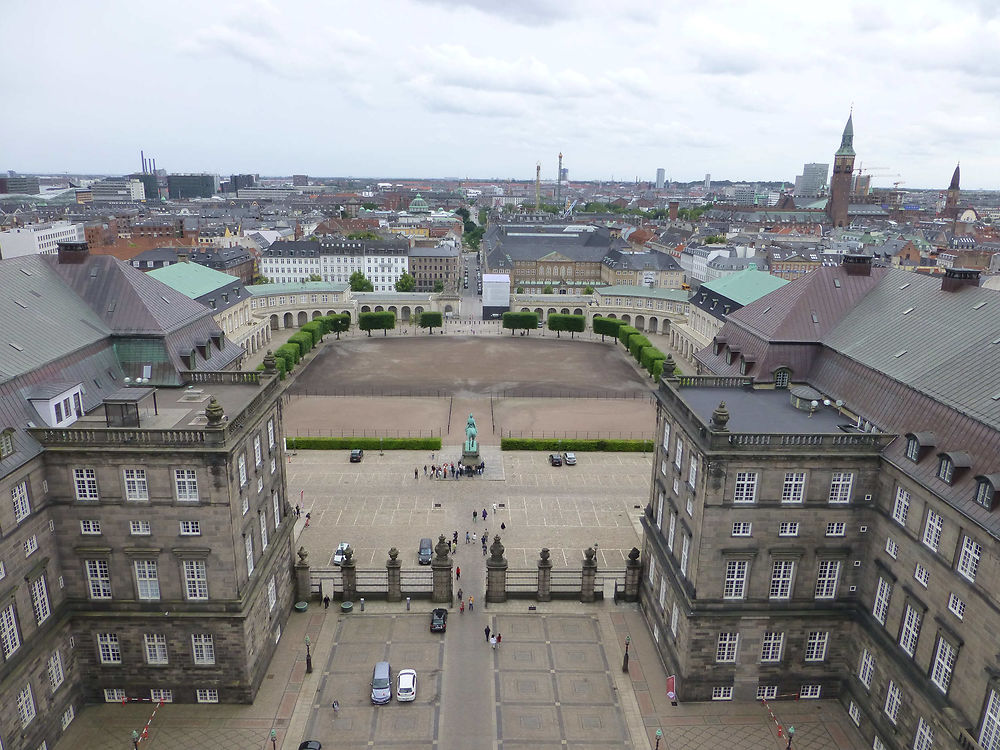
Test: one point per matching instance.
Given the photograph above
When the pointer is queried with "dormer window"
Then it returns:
(946, 469)
(918, 444)
(952, 464)
(6, 442)
(913, 449)
(986, 490)
(782, 377)
(729, 356)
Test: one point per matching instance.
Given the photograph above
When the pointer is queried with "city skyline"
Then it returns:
(742, 93)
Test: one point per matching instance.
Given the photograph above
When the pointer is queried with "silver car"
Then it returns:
(338, 556)
(406, 685)
(569, 459)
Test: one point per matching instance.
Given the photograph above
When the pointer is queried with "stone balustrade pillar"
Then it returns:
(303, 587)
(544, 576)
(349, 575)
(496, 573)
(392, 569)
(441, 565)
(633, 576)
(589, 576)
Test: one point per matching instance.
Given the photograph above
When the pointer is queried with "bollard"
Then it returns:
(407, 604)
(362, 604)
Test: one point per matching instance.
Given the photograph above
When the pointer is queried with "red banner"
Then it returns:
(671, 683)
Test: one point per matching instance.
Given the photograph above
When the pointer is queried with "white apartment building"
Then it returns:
(335, 259)
(38, 239)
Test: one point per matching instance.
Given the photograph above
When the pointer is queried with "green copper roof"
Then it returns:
(191, 279)
(628, 290)
(847, 139)
(744, 287)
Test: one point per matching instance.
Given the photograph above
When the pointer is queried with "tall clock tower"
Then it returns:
(840, 183)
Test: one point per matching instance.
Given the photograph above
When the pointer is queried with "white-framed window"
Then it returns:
(246, 505)
(114, 695)
(156, 648)
(946, 469)
(725, 649)
(263, 530)
(836, 528)
(19, 497)
(242, 463)
(207, 695)
(258, 455)
(912, 449)
(10, 639)
(248, 543)
(788, 528)
(663, 592)
(742, 528)
(91, 527)
(932, 530)
(276, 507)
(968, 558)
(957, 607)
(794, 488)
(674, 616)
(195, 580)
(85, 483)
(810, 692)
(54, 669)
(190, 528)
(782, 378)
(685, 551)
(159, 695)
(891, 548)
(816, 644)
(943, 665)
(274, 465)
(901, 506)
(272, 592)
(671, 531)
(678, 453)
(666, 435)
(67, 717)
(827, 577)
(98, 579)
(108, 648)
(984, 494)
(909, 632)
(270, 433)
(6, 442)
(690, 507)
(147, 581)
(771, 647)
(781, 579)
(854, 712)
(3, 571)
(922, 575)
(677, 486)
(736, 579)
(722, 693)
(877, 743)
(880, 605)
(989, 733)
(693, 471)
(746, 487)
(40, 600)
(840, 486)
(136, 487)
(25, 706)
(924, 738)
(186, 485)
(663, 467)
(866, 668)
(767, 692)
(659, 511)
(203, 649)
(30, 545)
(651, 570)
(138, 528)
(260, 484)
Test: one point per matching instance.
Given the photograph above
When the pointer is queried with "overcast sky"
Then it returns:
(485, 88)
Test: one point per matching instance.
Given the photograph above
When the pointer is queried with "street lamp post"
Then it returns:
(791, 733)
(309, 659)
(628, 640)
(659, 736)
(274, 740)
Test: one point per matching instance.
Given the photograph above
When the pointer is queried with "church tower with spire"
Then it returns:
(951, 199)
(840, 182)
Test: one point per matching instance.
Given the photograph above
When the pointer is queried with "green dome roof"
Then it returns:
(419, 206)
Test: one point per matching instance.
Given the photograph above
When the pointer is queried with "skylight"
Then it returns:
(979, 305)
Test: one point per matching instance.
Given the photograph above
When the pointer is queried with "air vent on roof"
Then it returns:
(995, 342)
(26, 272)
(164, 299)
(16, 346)
(836, 283)
(899, 354)
(815, 318)
(979, 305)
(93, 273)
(20, 304)
(995, 397)
(766, 311)
(907, 311)
(112, 306)
(905, 285)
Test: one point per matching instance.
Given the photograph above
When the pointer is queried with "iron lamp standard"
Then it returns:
(628, 640)
(659, 736)
(274, 740)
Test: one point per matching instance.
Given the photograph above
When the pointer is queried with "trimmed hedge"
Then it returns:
(365, 443)
(657, 369)
(636, 344)
(607, 326)
(577, 446)
(519, 320)
(316, 329)
(650, 355)
(625, 333)
(383, 320)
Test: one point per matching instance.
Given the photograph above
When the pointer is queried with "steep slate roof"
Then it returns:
(650, 260)
(534, 242)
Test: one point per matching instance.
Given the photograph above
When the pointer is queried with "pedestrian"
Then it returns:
(466, 536)
(460, 594)
(454, 536)
(494, 509)
(308, 516)
(458, 572)
(326, 602)
(498, 638)
(493, 642)
(425, 470)
(416, 474)
(475, 516)
(449, 545)
(485, 537)
(487, 631)
(484, 514)
(298, 510)
(470, 602)
(503, 526)
(484, 549)
(461, 608)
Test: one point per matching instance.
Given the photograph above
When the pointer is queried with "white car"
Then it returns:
(338, 556)
(569, 459)
(406, 685)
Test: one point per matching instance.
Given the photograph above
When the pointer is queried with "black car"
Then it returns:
(555, 459)
(311, 745)
(356, 455)
(439, 620)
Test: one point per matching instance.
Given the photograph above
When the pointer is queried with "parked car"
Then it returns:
(406, 685)
(569, 459)
(311, 745)
(555, 459)
(356, 455)
(338, 556)
(439, 620)
(382, 683)
(425, 551)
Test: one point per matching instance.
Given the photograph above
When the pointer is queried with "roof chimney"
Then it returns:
(957, 278)
(182, 257)
(857, 265)
(73, 252)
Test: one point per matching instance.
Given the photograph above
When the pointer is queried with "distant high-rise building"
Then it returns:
(812, 180)
(840, 183)
(300, 180)
(660, 174)
(861, 184)
(708, 182)
(19, 185)
(118, 189)
(242, 181)
(744, 195)
(186, 186)
(150, 185)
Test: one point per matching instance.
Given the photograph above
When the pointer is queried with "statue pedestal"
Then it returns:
(471, 458)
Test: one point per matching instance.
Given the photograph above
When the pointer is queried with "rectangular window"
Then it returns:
(793, 490)
(836, 529)
(924, 739)
(257, 454)
(866, 668)
(722, 693)
(957, 607)
(771, 647)
(666, 436)
(678, 453)
(922, 575)
(736, 579)
(260, 483)
(190, 528)
(242, 462)
(138, 528)
(912, 449)
(781, 579)
(943, 665)
(67, 717)
(968, 559)
(54, 669)
(826, 579)
(246, 505)
(685, 550)
(840, 486)
(248, 542)
(767, 692)
(901, 506)
(932, 530)
(203, 649)
(25, 706)
(108, 648)
(270, 433)
(156, 648)
(788, 528)
(263, 531)
(40, 600)
(99, 579)
(891, 548)
(10, 640)
(90, 527)
(159, 695)
(195, 579)
(810, 692)
(693, 471)
(674, 613)
(186, 485)
(30, 545)
(854, 712)
(671, 531)
(989, 735)
(114, 695)
(207, 695)
(19, 497)
(147, 582)
(742, 528)
(880, 606)
(272, 593)
(746, 487)
(651, 570)
(85, 482)
(909, 631)
(136, 488)
(725, 650)
(816, 644)
(274, 465)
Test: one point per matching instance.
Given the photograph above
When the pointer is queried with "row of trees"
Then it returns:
(405, 283)
(647, 355)
(287, 355)
(385, 321)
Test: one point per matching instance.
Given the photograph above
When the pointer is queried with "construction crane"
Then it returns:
(538, 186)
(859, 170)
